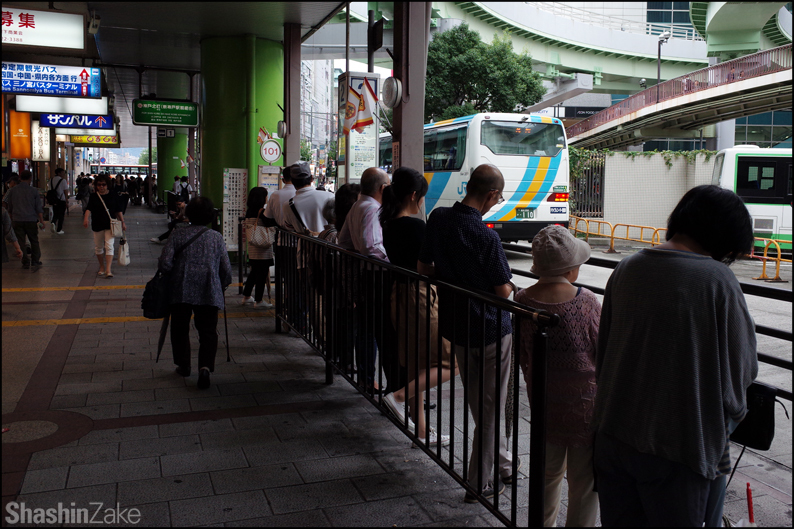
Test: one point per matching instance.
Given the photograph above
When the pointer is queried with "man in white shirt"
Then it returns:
(303, 214)
(279, 197)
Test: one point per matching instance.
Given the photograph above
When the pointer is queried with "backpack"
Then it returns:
(52, 194)
(184, 194)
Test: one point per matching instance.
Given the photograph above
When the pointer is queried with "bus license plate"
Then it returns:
(525, 213)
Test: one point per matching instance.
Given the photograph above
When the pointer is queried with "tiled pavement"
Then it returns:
(94, 419)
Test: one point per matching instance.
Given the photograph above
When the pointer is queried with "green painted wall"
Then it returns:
(169, 153)
(242, 86)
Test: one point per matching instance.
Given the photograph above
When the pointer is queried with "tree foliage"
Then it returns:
(143, 159)
(466, 76)
(306, 151)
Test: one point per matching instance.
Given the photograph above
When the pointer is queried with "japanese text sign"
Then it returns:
(165, 113)
(27, 27)
(77, 121)
(96, 140)
(52, 80)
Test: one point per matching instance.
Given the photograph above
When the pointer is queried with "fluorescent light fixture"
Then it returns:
(87, 132)
(61, 105)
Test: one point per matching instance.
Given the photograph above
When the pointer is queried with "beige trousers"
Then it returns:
(582, 501)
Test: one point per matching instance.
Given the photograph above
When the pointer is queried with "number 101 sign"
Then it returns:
(270, 151)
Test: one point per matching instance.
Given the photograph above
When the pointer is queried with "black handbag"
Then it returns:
(156, 302)
(757, 429)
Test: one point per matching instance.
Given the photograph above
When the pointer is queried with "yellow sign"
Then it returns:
(96, 140)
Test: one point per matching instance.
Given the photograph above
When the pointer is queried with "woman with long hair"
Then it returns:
(260, 257)
(402, 237)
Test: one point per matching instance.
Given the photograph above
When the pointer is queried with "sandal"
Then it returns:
(101, 274)
(108, 275)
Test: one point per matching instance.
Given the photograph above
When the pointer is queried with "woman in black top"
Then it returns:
(100, 222)
(402, 237)
(120, 188)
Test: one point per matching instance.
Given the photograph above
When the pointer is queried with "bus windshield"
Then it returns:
(526, 139)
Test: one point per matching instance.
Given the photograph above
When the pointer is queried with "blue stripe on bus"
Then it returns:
(523, 186)
(435, 189)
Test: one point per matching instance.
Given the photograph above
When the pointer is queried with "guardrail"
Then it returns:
(747, 288)
(334, 298)
(656, 238)
(743, 68)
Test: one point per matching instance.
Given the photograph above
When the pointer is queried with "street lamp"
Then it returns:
(664, 37)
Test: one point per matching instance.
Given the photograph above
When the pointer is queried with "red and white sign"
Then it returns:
(270, 151)
(28, 27)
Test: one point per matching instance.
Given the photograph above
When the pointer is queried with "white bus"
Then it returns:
(531, 152)
(762, 178)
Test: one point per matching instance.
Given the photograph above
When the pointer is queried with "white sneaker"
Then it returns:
(263, 305)
(52, 227)
(61, 232)
(435, 439)
(155, 240)
(398, 410)
(248, 300)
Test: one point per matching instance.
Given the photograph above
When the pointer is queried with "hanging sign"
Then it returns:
(40, 137)
(27, 27)
(270, 151)
(164, 113)
(51, 80)
(95, 140)
(77, 121)
(19, 133)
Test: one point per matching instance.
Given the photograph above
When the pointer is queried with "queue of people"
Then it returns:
(638, 415)
(643, 390)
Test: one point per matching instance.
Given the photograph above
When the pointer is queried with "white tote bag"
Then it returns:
(124, 250)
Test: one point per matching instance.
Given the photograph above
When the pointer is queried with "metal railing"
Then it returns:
(747, 288)
(741, 69)
(611, 22)
(339, 302)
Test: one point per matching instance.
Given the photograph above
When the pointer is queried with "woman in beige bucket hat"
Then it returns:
(557, 256)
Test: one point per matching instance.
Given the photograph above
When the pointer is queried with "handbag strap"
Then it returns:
(106, 208)
(298, 216)
(196, 236)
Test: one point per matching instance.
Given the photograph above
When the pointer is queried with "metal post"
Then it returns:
(658, 71)
(537, 439)
(370, 51)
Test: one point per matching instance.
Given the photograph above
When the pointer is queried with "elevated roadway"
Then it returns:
(680, 107)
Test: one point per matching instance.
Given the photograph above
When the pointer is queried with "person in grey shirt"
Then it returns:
(25, 207)
(676, 354)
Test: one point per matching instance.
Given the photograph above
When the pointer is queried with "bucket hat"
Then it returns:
(555, 251)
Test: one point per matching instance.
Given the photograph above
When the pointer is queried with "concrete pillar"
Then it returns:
(241, 91)
(411, 31)
(169, 153)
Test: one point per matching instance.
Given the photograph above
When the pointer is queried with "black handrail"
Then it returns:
(315, 313)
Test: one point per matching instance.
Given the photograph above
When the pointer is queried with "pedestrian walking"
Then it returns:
(260, 253)
(26, 210)
(199, 276)
(102, 207)
(58, 192)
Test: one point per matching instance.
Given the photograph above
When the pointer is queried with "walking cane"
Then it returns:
(226, 325)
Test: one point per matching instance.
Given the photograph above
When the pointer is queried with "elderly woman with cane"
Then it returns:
(199, 274)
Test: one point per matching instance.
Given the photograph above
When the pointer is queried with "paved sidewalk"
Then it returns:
(93, 418)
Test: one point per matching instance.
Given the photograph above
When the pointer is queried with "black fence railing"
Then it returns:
(748, 289)
(361, 314)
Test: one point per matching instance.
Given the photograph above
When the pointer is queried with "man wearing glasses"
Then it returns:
(459, 249)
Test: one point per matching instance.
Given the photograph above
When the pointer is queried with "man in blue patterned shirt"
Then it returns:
(459, 249)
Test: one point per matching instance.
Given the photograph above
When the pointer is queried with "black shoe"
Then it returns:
(25, 265)
(487, 493)
(508, 480)
(204, 379)
(183, 371)
(37, 263)
(430, 405)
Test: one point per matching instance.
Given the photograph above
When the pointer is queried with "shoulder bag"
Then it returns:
(303, 229)
(259, 236)
(115, 225)
(124, 250)
(156, 302)
(52, 194)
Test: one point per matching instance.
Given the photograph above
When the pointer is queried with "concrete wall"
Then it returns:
(643, 190)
